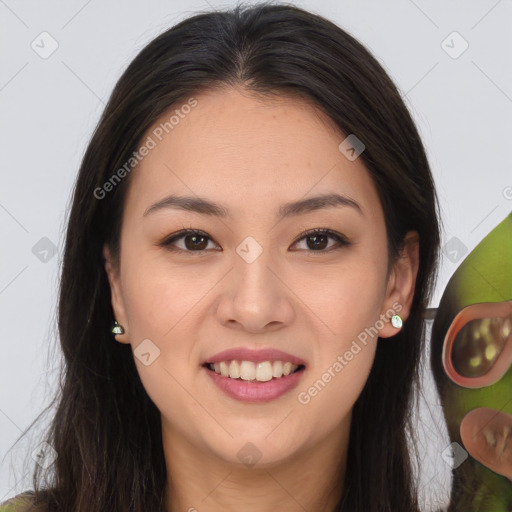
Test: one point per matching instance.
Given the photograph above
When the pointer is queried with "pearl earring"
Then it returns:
(117, 329)
(396, 321)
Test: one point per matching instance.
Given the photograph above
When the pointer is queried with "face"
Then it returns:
(252, 278)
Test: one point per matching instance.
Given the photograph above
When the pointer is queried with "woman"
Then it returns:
(255, 222)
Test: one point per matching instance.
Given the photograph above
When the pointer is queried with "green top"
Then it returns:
(19, 503)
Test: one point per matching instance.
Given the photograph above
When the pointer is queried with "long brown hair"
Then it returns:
(106, 430)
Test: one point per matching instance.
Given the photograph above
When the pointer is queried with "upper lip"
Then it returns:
(256, 356)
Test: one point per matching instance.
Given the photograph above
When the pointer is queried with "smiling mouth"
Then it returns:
(254, 372)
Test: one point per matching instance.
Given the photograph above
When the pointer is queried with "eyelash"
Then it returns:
(340, 239)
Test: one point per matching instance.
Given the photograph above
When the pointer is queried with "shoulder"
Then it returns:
(20, 503)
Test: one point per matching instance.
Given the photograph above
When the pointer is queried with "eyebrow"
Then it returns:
(205, 207)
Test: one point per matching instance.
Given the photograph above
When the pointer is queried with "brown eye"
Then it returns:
(479, 344)
(317, 240)
(193, 241)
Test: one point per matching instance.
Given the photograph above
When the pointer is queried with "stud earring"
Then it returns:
(396, 321)
(117, 329)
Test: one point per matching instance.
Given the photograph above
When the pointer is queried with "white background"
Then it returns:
(49, 107)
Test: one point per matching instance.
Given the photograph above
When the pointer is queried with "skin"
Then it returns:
(252, 155)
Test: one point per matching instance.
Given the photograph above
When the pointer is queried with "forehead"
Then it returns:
(232, 145)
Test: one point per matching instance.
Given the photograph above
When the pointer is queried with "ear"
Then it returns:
(401, 284)
(116, 294)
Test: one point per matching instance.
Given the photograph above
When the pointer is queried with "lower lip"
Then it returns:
(255, 392)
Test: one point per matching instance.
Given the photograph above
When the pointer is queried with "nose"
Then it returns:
(255, 296)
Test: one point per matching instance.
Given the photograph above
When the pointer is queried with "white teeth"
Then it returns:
(234, 370)
(277, 368)
(247, 370)
(287, 368)
(224, 371)
(264, 371)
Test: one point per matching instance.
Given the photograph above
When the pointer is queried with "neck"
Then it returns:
(309, 479)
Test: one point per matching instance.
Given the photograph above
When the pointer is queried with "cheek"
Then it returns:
(348, 305)
(162, 304)
(348, 298)
(158, 295)
(331, 389)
